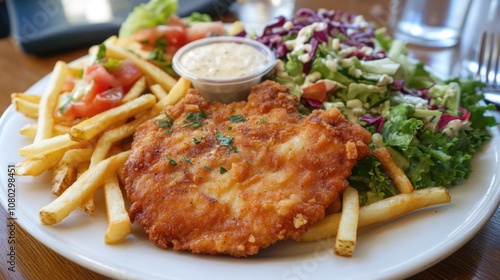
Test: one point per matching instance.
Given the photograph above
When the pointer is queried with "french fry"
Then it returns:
(88, 182)
(89, 128)
(36, 165)
(150, 70)
(380, 211)
(64, 173)
(397, 175)
(174, 95)
(63, 176)
(111, 136)
(135, 91)
(30, 130)
(48, 145)
(81, 168)
(88, 205)
(158, 91)
(119, 225)
(345, 242)
(32, 98)
(48, 102)
(25, 107)
(102, 150)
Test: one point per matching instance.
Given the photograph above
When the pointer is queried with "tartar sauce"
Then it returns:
(223, 60)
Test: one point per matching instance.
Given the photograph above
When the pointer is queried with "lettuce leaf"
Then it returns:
(150, 14)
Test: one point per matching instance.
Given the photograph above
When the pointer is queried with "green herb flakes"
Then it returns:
(165, 122)
(237, 119)
(224, 140)
(195, 120)
(222, 170)
(171, 161)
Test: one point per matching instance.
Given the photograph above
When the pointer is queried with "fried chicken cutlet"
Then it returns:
(230, 179)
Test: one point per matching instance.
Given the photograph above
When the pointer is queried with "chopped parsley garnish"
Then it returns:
(195, 120)
(159, 50)
(207, 167)
(165, 122)
(224, 140)
(171, 161)
(237, 118)
(233, 148)
(186, 159)
(157, 56)
(222, 170)
(196, 141)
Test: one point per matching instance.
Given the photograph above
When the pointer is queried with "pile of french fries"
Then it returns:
(90, 154)
(344, 224)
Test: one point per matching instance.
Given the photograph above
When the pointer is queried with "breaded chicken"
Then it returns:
(231, 179)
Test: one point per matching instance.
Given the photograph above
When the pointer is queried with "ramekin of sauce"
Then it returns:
(224, 68)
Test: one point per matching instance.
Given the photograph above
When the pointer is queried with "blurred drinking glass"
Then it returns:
(263, 11)
(431, 23)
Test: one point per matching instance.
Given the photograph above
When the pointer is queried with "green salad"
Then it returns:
(333, 59)
(431, 127)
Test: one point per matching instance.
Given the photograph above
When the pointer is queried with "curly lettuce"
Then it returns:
(150, 14)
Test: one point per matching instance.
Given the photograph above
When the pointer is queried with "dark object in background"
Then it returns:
(43, 27)
(4, 20)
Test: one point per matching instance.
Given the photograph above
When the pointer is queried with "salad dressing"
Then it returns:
(226, 60)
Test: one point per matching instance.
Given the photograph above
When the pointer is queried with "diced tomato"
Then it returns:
(319, 90)
(146, 35)
(315, 92)
(100, 75)
(108, 99)
(97, 87)
(175, 20)
(201, 30)
(174, 35)
(127, 74)
(83, 109)
(103, 101)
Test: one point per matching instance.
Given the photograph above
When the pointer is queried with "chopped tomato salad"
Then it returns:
(96, 88)
(176, 32)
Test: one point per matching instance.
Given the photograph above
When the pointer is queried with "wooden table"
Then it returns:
(478, 259)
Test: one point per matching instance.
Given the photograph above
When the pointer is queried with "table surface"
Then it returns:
(477, 259)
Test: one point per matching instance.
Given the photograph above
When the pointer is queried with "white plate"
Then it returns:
(396, 249)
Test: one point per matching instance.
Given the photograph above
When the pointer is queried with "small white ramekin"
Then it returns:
(221, 89)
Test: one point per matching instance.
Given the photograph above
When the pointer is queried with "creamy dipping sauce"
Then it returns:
(223, 61)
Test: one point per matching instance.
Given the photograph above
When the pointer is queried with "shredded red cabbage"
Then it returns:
(399, 86)
(338, 25)
(377, 121)
(447, 118)
(311, 103)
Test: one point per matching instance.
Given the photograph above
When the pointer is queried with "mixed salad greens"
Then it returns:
(431, 127)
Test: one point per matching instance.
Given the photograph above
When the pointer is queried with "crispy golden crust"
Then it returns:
(283, 170)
